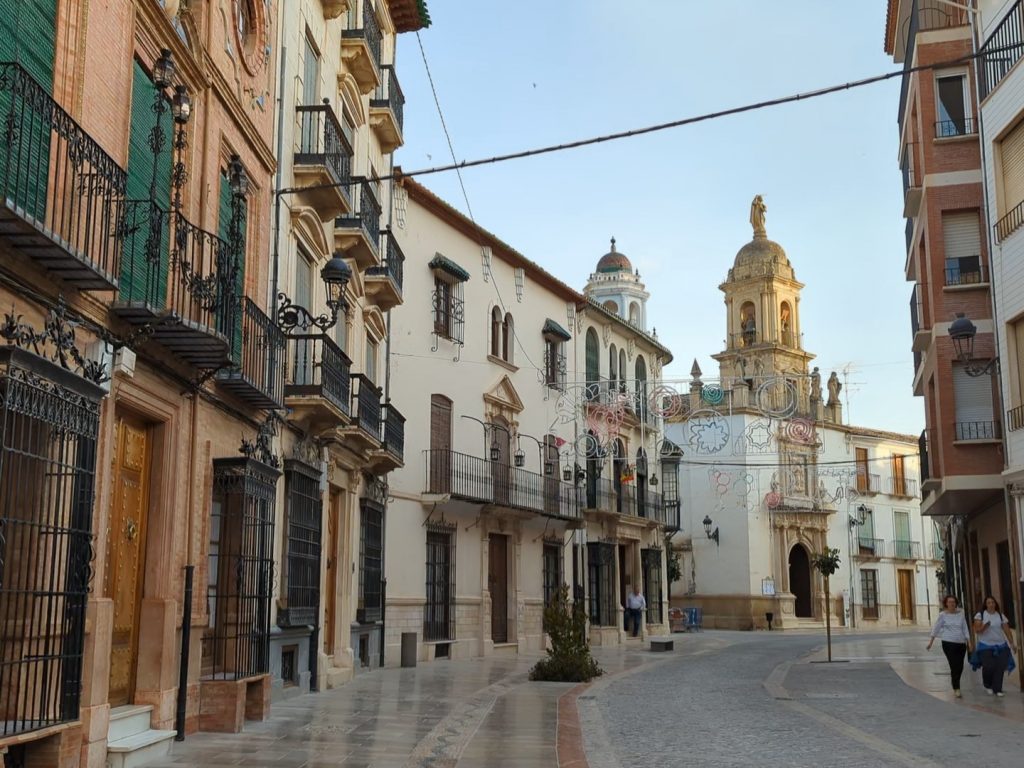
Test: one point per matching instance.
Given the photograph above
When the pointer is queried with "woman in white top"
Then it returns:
(994, 640)
(951, 629)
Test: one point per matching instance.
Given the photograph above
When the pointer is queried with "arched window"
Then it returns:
(641, 482)
(618, 473)
(593, 363)
(613, 367)
(623, 371)
(641, 387)
(496, 332)
(611, 306)
(748, 324)
(634, 314)
(508, 338)
(786, 323)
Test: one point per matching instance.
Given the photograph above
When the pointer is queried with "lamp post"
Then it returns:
(546, 466)
(962, 331)
(335, 276)
(713, 535)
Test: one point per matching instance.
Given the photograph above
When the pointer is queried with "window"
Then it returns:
(601, 599)
(496, 328)
(1011, 170)
(447, 301)
(652, 584)
(555, 337)
(748, 324)
(613, 367)
(623, 370)
(302, 577)
(866, 535)
(310, 120)
(593, 365)
(786, 323)
(508, 338)
(961, 234)
(372, 349)
(973, 406)
(903, 547)
(634, 314)
(640, 369)
(443, 308)
(1015, 342)
(439, 612)
(863, 474)
(952, 106)
(899, 478)
(371, 560)
(440, 444)
(869, 593)
(552, 575)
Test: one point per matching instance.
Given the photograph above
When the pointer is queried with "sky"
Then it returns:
(512, 76)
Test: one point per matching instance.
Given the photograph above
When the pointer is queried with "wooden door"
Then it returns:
(497, 580)
(863, 483)
(440, 444)
(800, 581)
(331, 572)
(126, 552)
(501, 470)
(906, 594)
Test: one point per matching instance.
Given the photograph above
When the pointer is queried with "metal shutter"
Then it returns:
(962, 234)
(28, 33)
(973, 396)
(1011, 153)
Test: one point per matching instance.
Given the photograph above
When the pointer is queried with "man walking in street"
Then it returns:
(635, 607)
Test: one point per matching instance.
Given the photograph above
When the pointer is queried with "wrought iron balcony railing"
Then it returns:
(318, 368)
(978, 430)
(1002, 50)
(322, 141)
(181, 280)
(389, 95)
(363, 222)
(945, 129)
(903, 549)
(1010, 223)
(472, 478)
(903, 486)
(868, 483)
(61, 196)
(366, 405)
(393, 265)
(393, 431)
(922, 449)
(1015, 418)
(869, 547)
(966, 271)
(365, 27)
(909, 168)
(258, 353)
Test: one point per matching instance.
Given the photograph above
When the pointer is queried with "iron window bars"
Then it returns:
(652, 584)
(552, 574)
(601, 584)
(371, 561)
(303, 545)
(448, 302)
(241, 569)
(49, 422)
(439, 611)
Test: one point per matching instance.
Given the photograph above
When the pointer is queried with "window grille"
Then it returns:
(439, 612)
(601, 577)
(554, 364)
(241, 569)
(49, 421)
(552, 575)
(652, 584)
(448, 311)
(371, 561)
(305, 505)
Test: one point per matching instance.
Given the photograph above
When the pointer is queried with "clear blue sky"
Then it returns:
(517, 75)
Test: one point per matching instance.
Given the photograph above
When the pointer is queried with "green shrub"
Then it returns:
(569, 659)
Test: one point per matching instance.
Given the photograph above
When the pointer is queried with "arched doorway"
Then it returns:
(800, 580)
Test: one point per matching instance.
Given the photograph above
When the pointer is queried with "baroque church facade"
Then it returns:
(771, 475)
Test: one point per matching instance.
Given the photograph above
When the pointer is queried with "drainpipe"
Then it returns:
(186, 607)
(277, 192)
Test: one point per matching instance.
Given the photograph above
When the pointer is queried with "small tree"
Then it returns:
(826, 564)
(569, 659)
(674, 570)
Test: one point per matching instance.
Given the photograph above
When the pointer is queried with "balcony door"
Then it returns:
(497, 585)
(440, 444)
(303, 350)
(901, 521)
(905, 585)
(501, 474)
(310, 98)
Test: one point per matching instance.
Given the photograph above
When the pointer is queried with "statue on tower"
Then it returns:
(834, 388)
(815, 385)
(757, 212)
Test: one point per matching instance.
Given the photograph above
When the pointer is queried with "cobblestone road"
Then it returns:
(757, 703)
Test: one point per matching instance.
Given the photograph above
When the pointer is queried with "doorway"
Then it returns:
(800, 581)
(501, 467)
(331, 571)
(127, 552)
(625, 582)
(1005, 581)
(497, 581)
(906, 594)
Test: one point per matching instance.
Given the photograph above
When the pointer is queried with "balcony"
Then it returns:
(62, 195)
(360, 45)
(912, 181)
(1015, 418)
(258, 352)
(938, 552)
(868, 484)
(383, 283)
(478, 480)
(358, 233)
(1002, 50)
(903, 487)
(179, 288)
(922, 449)
(978, 430)
(630, 500)
(366, 412)
(868, 548)
(1010, 223)
(921, 334)
(951, 129)
(391, 454)
(906, 550)
(386, 108)
(966, 272)
(318, 385)
(323, 159)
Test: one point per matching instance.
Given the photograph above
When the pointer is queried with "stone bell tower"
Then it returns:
(762, 300)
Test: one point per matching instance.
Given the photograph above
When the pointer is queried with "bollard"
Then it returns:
(408, 649)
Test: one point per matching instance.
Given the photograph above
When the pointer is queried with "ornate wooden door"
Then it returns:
(497, 562)
(126, 552)
(906, 593)
(331, 572)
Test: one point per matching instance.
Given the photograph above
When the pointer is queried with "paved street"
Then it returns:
(720, 699)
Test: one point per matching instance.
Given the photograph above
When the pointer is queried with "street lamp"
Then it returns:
(181, 105)
(962, 331)
(495, 450)
(861, 518)
(335, 276)
(163, 70)
(708, 532)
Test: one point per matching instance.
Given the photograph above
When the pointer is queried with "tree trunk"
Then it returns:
(828, 619)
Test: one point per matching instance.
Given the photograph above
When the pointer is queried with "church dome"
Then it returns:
(761, 250)
(613, 261)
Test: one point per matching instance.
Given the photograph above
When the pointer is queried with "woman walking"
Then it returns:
(994, 640)
(951, 629)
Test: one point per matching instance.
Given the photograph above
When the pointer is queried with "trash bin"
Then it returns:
(408, 649)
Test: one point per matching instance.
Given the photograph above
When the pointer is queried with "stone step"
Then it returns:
(506, 649)
(139, 749)
(129, 720)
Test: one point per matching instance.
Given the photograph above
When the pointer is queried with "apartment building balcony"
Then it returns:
(1002, 50)
(955, 129)
(913, 181)
(966, 273)
(630, 501)
(922, 335)
(903, 549)
(383, 283)
(365, 427)
(360, 45)
(177, 285)
(386, 108)
(868, 484)
(62, 197)
(258, 351)
(357, 232)
(497, 484)
(868, 548)
(978, 431)
(392, 440)
(318, 389)
(1015, 418)
(1010, 222)
(902, 487)
(323, 161)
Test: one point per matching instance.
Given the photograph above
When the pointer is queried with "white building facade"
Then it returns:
(770, 476)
